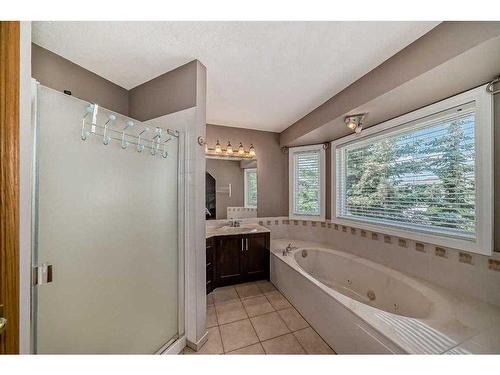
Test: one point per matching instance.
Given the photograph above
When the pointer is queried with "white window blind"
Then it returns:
(307, 183)
(251, 187)
(421, 177)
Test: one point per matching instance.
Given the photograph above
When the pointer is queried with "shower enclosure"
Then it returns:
(107, 264)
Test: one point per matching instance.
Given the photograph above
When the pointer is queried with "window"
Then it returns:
(307, 182)
(426, 175)
(251, 187)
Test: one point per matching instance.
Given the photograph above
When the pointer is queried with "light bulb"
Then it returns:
(229, 148)
(351, 125)
(218, 149)
(241, 150)
(251, 151)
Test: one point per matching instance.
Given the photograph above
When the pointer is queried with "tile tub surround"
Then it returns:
(254, 318)
(473, 275)
(433, 319)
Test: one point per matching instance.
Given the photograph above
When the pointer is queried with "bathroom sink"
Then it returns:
(240, 229)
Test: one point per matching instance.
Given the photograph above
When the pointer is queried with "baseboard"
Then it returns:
(197, 345)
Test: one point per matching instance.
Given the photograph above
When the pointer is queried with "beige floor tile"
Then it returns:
(252, 349)
(286, 344)
(248, 290)
(293, 320)
(257, 306)
(211, 317)
(278, 301)
(269, 325)
(312, 342)
(213, 344)
(210, 299)
(230, 312)
(225, 294)
(187, 350)
(266, 287)
(238, 335)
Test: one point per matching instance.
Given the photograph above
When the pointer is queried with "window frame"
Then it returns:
(483, 133)
(291, 181)
(246, 187)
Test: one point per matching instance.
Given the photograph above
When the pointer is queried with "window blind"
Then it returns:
(421, 178)
(307, 183)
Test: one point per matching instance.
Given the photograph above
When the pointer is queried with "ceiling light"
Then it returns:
(354, 122)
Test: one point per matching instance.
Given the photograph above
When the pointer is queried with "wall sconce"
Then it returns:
(229, 148)
(251, 150)
(218, 149)
(241, 150)
(355, 122)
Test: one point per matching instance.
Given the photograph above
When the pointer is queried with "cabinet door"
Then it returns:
(210, 265)
(229, 256)
(257, 257)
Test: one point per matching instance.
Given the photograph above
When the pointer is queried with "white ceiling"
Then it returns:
(261, 75)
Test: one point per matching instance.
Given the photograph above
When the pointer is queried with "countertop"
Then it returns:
(226, 230)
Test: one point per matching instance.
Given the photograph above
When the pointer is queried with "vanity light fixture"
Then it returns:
(230, 151)
(355, 122)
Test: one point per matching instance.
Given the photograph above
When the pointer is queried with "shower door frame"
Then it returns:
(175, 344)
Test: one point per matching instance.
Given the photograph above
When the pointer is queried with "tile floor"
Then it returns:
(255, 318)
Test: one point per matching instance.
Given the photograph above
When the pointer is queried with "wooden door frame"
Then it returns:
(9, 182)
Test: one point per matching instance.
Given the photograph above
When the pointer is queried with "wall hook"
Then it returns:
(140, 146)
(165, 153)
(105, 138)
(88, 110)
(125, 143)
(155, 144)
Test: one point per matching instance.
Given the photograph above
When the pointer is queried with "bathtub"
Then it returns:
(361, 307)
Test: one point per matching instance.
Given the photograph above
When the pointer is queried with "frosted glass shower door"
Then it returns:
(107, 222)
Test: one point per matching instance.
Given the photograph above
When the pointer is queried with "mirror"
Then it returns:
(230, 189)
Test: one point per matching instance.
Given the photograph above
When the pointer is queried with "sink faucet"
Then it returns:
(235, 223)
(288, 249)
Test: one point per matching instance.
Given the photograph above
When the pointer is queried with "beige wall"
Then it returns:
(56, 72)
(173, 91)
(170, 92)
(442, 44)
(272, 165)
(227, 172)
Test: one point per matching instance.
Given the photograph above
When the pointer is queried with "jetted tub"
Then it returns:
(359, 306)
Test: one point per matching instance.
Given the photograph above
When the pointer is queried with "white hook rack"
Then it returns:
(108, 133)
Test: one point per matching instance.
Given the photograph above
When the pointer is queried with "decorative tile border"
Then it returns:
(441, 252)
(494, 264)
(420, 247)
(465, 258)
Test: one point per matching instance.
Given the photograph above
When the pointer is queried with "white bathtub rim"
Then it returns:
(446, 318)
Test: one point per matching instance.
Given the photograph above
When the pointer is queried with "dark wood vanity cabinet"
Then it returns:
(241, 258)
(210, 264)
